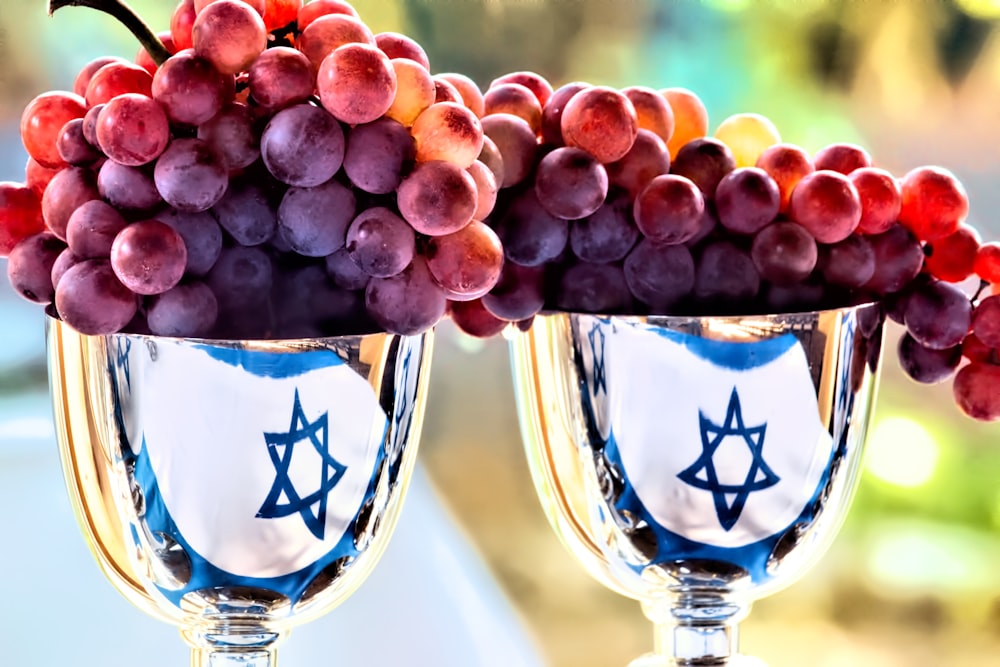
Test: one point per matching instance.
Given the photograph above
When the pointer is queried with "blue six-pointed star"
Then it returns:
(280, 447)
(730, 499)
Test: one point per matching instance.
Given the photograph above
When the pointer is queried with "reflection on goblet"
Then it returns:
(237, 488)
(697, 464)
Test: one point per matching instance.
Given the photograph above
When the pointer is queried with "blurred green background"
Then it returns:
(914, 579)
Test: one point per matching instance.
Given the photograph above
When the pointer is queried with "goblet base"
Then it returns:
(653, 660)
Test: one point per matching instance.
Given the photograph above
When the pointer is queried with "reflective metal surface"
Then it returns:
(697, 464)
(237, 488)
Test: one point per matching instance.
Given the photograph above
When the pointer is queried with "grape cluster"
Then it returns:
(269, 168)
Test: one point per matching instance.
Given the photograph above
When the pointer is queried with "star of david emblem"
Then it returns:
(281, 447)
(124, 346)
(596, 338)
(729, 499)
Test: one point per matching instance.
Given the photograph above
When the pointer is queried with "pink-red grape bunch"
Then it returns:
(288, 172)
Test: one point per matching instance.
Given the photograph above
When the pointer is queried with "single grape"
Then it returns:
(934, 203)
(280, 14)
(660, 276)
(898, 259)
(446, 92)
(246, 213)
(92, 229)
(314, 9)
(68, 190)
(553, 109)
(472, 96)
(593, 288)
(938, 315)
(517, 294)
(669, 209)
(784, 253)
(63, 263)
(230, 34)
(303, 146)
(491, 157)
(89, 126)
(344, 271)
(725, 276)
(647, 159)
(601, 121)
(974, 349)
(536, 83)
(327, 33)
(29, 266)
(128, 188)
(516, 143)
(849, 263)
(118, 78)
(133, 129)
(787, 164)
(91, 299)
(531, 236)
(377, 154)
(189, 175)
(987, 262)
(746, 200)
(202, 238)
(690, 118)
(448, 131)
(607, 235)
(953, 258)
(188, 310)
(466, 263)
(437, 197)
(705, 162)
(73, 147)
(409, 302)
(232, 136)
(314, 221)
(149, 257)
(20, 215)
(182, 23)
(472, 318)
(380, 242)
(880, 199)
(975, 391)
(652, 111)
(258, 6)
(486, 189)
(356, 83)
(281, 77)
(748, 135)
(986, 321)
(414, 91)
(827, 204)
(396, 45)
(570, 183)
(189, 88)
(515, 99)
(42, 121)
(37, 177)
(241, 279)
(842, 158)
(87, 73)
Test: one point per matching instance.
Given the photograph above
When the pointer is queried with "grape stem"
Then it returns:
(127, 17)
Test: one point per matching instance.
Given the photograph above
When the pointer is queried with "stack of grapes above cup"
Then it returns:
(270, 186)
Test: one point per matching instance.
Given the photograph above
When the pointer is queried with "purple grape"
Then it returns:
(380, 242)
(67, 191)
(189, 88)
(801, 296)
(303, 146)
(570, 183)
(232, 136)
(746, 200)
(784, 253)
(190, 176)
(345, 272)
(149, 257)
(924, 364)
(707, 225)
(607, 235)
(241, 277)
(553, 110)
(516, 143)
(898, 259)
(669, 209)
(437, 197)
(378, 154)
(659, 276)
(74, 147)
(531, 235)
(314, 221)
(593, 288)
(725, 276)
(92, 229)
(518, 293)
(202, 238)
(188, 310)
(409, 302)
(491, 157)
(29, 266)
(92, 300)
(89, 127)
(704, 161)
(63, 263)
(938, 315)
(128, 188)
(245, 212)
(849, 263)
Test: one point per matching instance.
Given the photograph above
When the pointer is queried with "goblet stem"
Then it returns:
(694, 627)
(233, 645)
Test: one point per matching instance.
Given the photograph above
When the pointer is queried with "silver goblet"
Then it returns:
(237, 488)
(697, 464)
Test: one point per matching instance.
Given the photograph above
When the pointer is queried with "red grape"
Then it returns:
(787, 165)
(466, 263)
(409, 302)
(189, 88)
(324, 35)
(669, 209)
(842, 158)
(314, 9)
(437, 197)
(517, 294)
(128, 188)
(472, 318)
(881, 199)
(652, 111)
(515, 99)
(553, 109)
(448, 131)
(938, 315)
(601, 121)
(42, 121)
(230, 34)
(190, 176)
(68, 190)
(987, 262)
(133, 129)
(356, 83)
(395, 45)
(182, 23)
(149, 257)
(536, 83)
(953, 258)
(934, 203)
(898, 259)
(118, 78)
(20, 215)
(74, 148)
(486, 189)
(472, 96)
(977, 391)
(827, 204)
(92, 229)
(647, 159)
(516, 143)
(281, 77)
(784, 253)
(705, 162)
